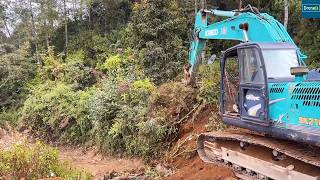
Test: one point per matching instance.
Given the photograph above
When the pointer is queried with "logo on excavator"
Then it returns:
(212, 32)
(309, 121)
(251, 97)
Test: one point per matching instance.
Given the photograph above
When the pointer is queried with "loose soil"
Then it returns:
(186, 162)
(196, 169)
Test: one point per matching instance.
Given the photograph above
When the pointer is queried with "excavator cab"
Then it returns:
(264, 89)
(245, 98)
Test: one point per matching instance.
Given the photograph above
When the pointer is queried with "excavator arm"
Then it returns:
(240, 26)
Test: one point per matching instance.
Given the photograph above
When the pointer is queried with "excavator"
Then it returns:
(268, 97)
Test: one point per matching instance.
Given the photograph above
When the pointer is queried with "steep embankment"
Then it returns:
(183, 156)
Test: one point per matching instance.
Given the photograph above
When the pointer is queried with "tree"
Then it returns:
(65, 26)
(47, 16)
(3, 19)
(159, 30)
(286, 14)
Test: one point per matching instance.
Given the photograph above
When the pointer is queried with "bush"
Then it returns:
(10, 117)
(16, 69)
(73, 70)
(122, 66)
(57, 112)
(134, 118)
(116, 112)
(139, 93)
(77, 72)
(35, 162)
(112, 63)
(159, 124)
(210, 78)
(53, 66)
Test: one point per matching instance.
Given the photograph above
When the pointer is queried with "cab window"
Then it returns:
(251, 68)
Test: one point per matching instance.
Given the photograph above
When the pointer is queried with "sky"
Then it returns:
(13, 18)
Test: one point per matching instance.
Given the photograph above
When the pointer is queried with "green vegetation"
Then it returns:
(102, 72)
(36, 162)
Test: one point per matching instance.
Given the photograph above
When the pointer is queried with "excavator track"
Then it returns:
(258, 157)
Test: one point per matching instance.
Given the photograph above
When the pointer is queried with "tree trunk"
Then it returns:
(195, 7)
(45, 21)
(203, 4)
(33, 32)
(240, 4)
(203, 57)
(47, 40)
(80, 10)
(286, 14)
(6, 26)
(65, 26)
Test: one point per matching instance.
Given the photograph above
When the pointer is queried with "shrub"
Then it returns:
(76, 71)
(112, 63)
(55, 111)
(35, 162)
(10, 116)
(123, 66)
(16, 69)
(53, 66)
(210, 77)
(139, 93)
(73, 70)
(116, 111)
(130, 117)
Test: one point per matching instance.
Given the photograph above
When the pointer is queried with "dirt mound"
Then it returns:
(195, 168)
(183, 156)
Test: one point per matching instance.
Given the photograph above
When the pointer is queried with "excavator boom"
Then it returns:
(239, 26)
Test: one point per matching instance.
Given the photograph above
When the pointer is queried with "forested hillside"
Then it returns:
(107, 72)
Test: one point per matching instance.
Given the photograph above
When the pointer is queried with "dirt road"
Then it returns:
(184, 165)
(89, 160)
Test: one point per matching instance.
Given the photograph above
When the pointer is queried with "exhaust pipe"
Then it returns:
(299, 72)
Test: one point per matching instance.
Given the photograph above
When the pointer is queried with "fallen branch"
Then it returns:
(184, 152)
(177, 149)
(186, 116)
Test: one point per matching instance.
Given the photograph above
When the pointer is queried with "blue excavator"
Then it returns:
(268, 96)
